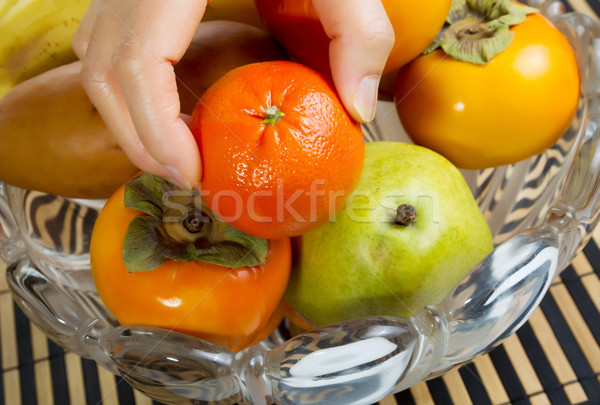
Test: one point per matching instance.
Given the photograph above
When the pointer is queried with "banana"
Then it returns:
(35, 36)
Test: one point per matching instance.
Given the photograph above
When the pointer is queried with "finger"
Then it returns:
(361, 40)
(103, 88)
(157, 36)
(82, 36)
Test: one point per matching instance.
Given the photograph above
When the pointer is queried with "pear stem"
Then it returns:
(405, 214)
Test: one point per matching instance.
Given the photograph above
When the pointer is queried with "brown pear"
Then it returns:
(53, 139)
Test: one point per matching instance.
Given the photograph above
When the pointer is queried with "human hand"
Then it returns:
(129, 47)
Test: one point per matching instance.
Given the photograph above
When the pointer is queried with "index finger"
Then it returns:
(156, 37)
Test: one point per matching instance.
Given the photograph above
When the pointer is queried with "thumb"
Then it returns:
(361, 40)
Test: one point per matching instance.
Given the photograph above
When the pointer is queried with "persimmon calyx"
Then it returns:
(179, 226)
(478, 30)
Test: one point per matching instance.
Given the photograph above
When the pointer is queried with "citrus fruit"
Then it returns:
(280, 154)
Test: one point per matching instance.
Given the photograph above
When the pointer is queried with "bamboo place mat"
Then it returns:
(554, 358)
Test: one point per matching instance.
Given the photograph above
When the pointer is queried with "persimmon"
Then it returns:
(280, 154)
(483, 109)
(159, 258)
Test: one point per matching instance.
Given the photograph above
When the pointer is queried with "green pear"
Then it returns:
(408, 233)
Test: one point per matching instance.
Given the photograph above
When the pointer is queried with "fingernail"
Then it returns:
(177, 178)
(365, 97)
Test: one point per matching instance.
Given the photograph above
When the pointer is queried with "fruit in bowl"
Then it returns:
(273, 137)
(408, 233)
(53, 139)
(159, 258)
(491, 91)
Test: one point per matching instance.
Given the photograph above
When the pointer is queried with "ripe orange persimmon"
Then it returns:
(233, 306)
(280, 154)
(513, 107)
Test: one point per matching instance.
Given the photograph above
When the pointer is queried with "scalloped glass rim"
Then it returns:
(542, 212)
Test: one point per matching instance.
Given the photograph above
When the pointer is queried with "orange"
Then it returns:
(280, 154)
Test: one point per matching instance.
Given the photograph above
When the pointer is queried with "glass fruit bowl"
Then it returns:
(541, 211)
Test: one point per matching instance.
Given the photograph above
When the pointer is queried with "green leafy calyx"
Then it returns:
(179, 226)
(478, 30)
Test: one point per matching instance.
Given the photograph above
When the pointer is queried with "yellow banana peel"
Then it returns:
(36, 37)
